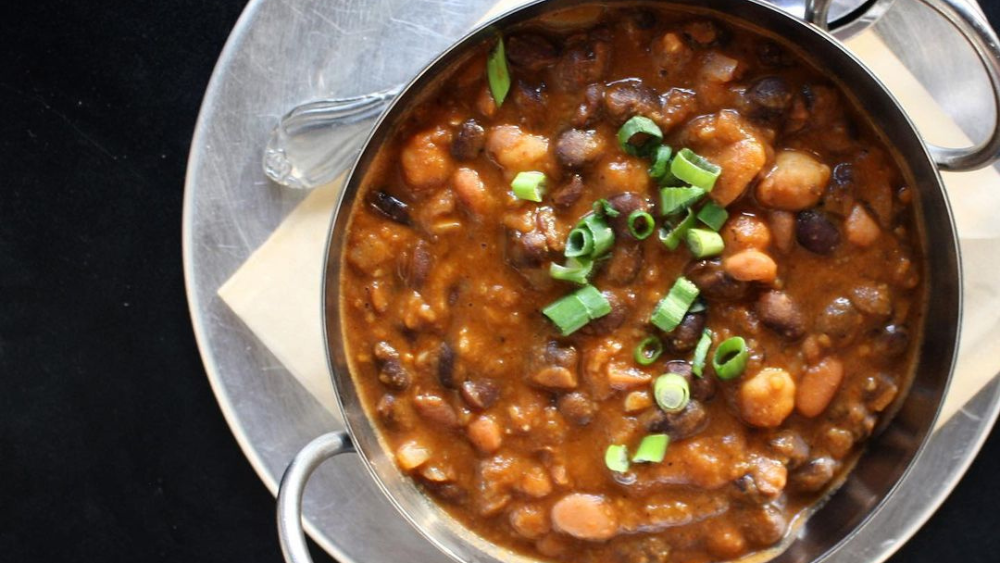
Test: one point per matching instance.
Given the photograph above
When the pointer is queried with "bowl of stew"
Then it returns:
(638, 282)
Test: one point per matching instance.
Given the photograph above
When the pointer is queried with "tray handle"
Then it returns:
(970, 22)
(293, 485)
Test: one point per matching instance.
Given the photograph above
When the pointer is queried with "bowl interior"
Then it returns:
(888, 455)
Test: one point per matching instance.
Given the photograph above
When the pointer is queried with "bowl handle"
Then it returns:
(293, 485)
(970, 22)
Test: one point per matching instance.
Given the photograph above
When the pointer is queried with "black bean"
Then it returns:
(629, 98)
(838, 198)
(390, 207)
(479, 394)
(576, 148)
(588, 109)
(814, 475)
(469, 140)
(772, 55)
(840, 320)
(685, 337)
(625, 203)
(531, 51)
(816, 232)
(577, 408)
(781, 314)
(531, 101)
(769, 98)
(389, 409)
(763, 525)
(790, 445)
(529, 249)
(562, 356)
(892, 341)
(713, 282)
(586, 60)
(680, 425)
(446, 366)
(624, 264)
(392, 374)
(569, 193)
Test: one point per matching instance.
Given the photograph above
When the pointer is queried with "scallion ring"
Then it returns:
(579, 243)
(675, 200)
(641, 224)
(529, 186)
(576, 270)
(604, 207)
(701, 353)
(730, 358)
(616, 458)
(713, 215)
(652, 449)
(670, 311)
(672, 237)
(639, 135)
(671, 392)
(704, 243)
(661, 163)
(648, 351)
(695, 170)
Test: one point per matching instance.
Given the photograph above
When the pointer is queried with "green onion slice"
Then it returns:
(672, 237)
(661, 162)
(616, 458)
(671, 309)
(730, 358)
(576, 270)
(704, 243)
(602, 234)
(713, 215)
(529, 185)
(596, 304)
(698, 306)
(497, 73)
(652, 449)
(701, 353)
(580, 243)
(675, 200)
(567, 313)
(648, 351)
(604, 207)
(639, 135)
(671, 392)
(641, 224)
(695, 170)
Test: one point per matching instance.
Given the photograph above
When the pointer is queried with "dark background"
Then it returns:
(112, 447)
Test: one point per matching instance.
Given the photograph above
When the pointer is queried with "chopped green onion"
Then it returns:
(580, 243)
(648, 351)
(596, 304)
(604, 207)
(652, 449)
(698, 306)
(671, 309)
(603, 235)
(701, 353)
(568, 313)
(571, 312)
(529, 185)
(576, 270)
(497, 73)
(671, 392)
(675, 200)
(661, 162)
(671, 238)
(641, 224)
(695, 170)
(704, 243)
(648, 133)
(730, 358)
(713, 215)
(616, 458)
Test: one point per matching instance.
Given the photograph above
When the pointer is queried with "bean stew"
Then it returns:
(631, 286)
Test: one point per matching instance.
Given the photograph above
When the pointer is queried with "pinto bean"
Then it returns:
(627, 98)
(576, 148)
(479, 394)
(816, 232)
(746, 231)
(781, 314)
(391, 373)
(818, 386)
(417, 264)
(751, 265)
(713, 282)
(469, 141)
(390, 206)
(685, 337)
(485, 434)
(436, 410)
(531, 51)
(585, 517)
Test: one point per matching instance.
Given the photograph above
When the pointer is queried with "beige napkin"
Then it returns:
(277, 291)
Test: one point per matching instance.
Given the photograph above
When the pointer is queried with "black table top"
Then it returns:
(112, 447)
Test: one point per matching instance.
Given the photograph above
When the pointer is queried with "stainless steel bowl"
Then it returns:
(889, 454)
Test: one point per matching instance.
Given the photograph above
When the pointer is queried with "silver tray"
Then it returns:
(284, 52)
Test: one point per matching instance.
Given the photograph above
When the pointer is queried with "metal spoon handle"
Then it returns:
(316, 141)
